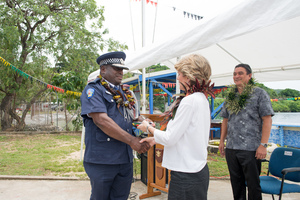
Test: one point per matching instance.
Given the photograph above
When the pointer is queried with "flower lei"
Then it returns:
(235, 102)
(126, 100)
(206, 89)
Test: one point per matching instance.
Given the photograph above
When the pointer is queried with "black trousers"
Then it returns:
(189, 186)
(244, 169)
(109, 182)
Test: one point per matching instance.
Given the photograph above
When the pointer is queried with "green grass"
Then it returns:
(218, 167)
(136, 167)
(58, 155)
(40, 155)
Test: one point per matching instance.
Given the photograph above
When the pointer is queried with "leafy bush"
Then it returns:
(218, 101)
(286, 106)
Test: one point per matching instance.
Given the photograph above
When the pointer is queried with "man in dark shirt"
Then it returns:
(247, 121)
(108, 113)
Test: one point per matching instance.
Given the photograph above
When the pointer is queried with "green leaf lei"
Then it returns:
(127, 102)
(235, 102)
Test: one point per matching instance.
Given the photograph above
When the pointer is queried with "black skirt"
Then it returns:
(189, 186)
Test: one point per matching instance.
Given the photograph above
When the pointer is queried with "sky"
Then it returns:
(123, 18)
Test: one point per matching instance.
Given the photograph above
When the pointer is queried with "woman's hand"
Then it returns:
(142, 118)
(149, 140)
(150, 122)
(143, 126)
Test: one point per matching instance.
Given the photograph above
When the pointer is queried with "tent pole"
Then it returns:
(132, 25)
(229, 53)
(150, 98)
(144, 70)
(155, 22)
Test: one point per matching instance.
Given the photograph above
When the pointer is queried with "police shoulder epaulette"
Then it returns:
(94, 81)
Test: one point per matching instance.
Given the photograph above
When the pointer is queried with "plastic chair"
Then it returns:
(285, 164)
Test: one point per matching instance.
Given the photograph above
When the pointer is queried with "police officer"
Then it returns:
(107, 112)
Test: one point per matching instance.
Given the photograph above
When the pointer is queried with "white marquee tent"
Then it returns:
(262, 33)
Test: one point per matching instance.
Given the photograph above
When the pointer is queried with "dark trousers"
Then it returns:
(189, 186)
(244, 168)
(109, 182)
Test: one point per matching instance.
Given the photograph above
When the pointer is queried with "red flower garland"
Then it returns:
(206, 89)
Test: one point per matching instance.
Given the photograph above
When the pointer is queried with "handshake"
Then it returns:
(143, 145)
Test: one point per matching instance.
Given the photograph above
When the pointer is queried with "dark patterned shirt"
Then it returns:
(244, 130)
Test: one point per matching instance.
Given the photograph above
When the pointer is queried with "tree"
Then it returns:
(159, 102)
(289, 93)
(69, 82)
(156, 68)
(272, 93)
(36, 35)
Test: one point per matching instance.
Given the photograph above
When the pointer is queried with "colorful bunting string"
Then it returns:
(166, 85)
(217, 91)
(152, 2)
(185, 13)
(193, 16)
(148, 1)
(21, 73)
(68, 92)
(78, 94)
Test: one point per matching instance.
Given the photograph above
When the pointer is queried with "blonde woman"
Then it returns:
(186, 137)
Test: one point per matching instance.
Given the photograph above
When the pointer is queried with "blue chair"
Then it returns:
(285, 164)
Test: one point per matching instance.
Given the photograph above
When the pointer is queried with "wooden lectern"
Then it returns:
(154, 167)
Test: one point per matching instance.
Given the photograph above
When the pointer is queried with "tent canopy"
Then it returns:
(261, 33)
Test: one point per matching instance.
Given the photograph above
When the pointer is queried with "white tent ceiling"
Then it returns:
(262, 33)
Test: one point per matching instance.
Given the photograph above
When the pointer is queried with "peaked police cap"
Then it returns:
(115, 59)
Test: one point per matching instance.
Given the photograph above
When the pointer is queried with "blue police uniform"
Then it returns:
(107, 161)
